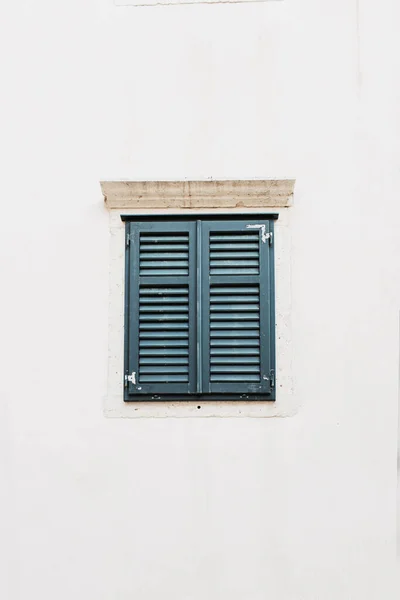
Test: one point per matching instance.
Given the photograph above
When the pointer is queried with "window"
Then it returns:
(199, 308)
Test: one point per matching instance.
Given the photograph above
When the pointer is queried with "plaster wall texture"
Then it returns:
(295, 508)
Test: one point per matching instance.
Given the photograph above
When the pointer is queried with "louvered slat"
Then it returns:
(234, 253)
(239, 362)
(155, 343)
(163, 334)
(164, 255)
(233, 342)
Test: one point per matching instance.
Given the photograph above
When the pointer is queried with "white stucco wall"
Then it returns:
(294, 508)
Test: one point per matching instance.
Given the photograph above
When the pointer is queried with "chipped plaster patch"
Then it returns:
(264, 235)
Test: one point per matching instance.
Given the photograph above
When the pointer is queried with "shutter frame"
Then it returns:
(199, 281)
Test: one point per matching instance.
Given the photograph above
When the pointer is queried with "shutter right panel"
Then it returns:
(236, 307)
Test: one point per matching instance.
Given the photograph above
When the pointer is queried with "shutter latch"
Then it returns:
(130, 379)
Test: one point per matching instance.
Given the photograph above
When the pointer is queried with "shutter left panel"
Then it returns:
(162, 328)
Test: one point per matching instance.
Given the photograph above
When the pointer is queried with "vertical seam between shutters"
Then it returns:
(199, 362)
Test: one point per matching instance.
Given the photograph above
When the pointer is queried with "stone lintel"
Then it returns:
(251, 193)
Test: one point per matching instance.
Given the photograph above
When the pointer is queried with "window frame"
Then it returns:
(201, 397)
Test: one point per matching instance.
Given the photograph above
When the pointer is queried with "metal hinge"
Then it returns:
(130, 379)
(272, 378)
(271, 238)
(128, 239)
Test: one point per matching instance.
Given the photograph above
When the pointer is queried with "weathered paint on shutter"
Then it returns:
(237, 332)
(162, 301)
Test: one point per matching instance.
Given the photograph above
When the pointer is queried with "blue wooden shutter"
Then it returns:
(237, 311)
(161, 303)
